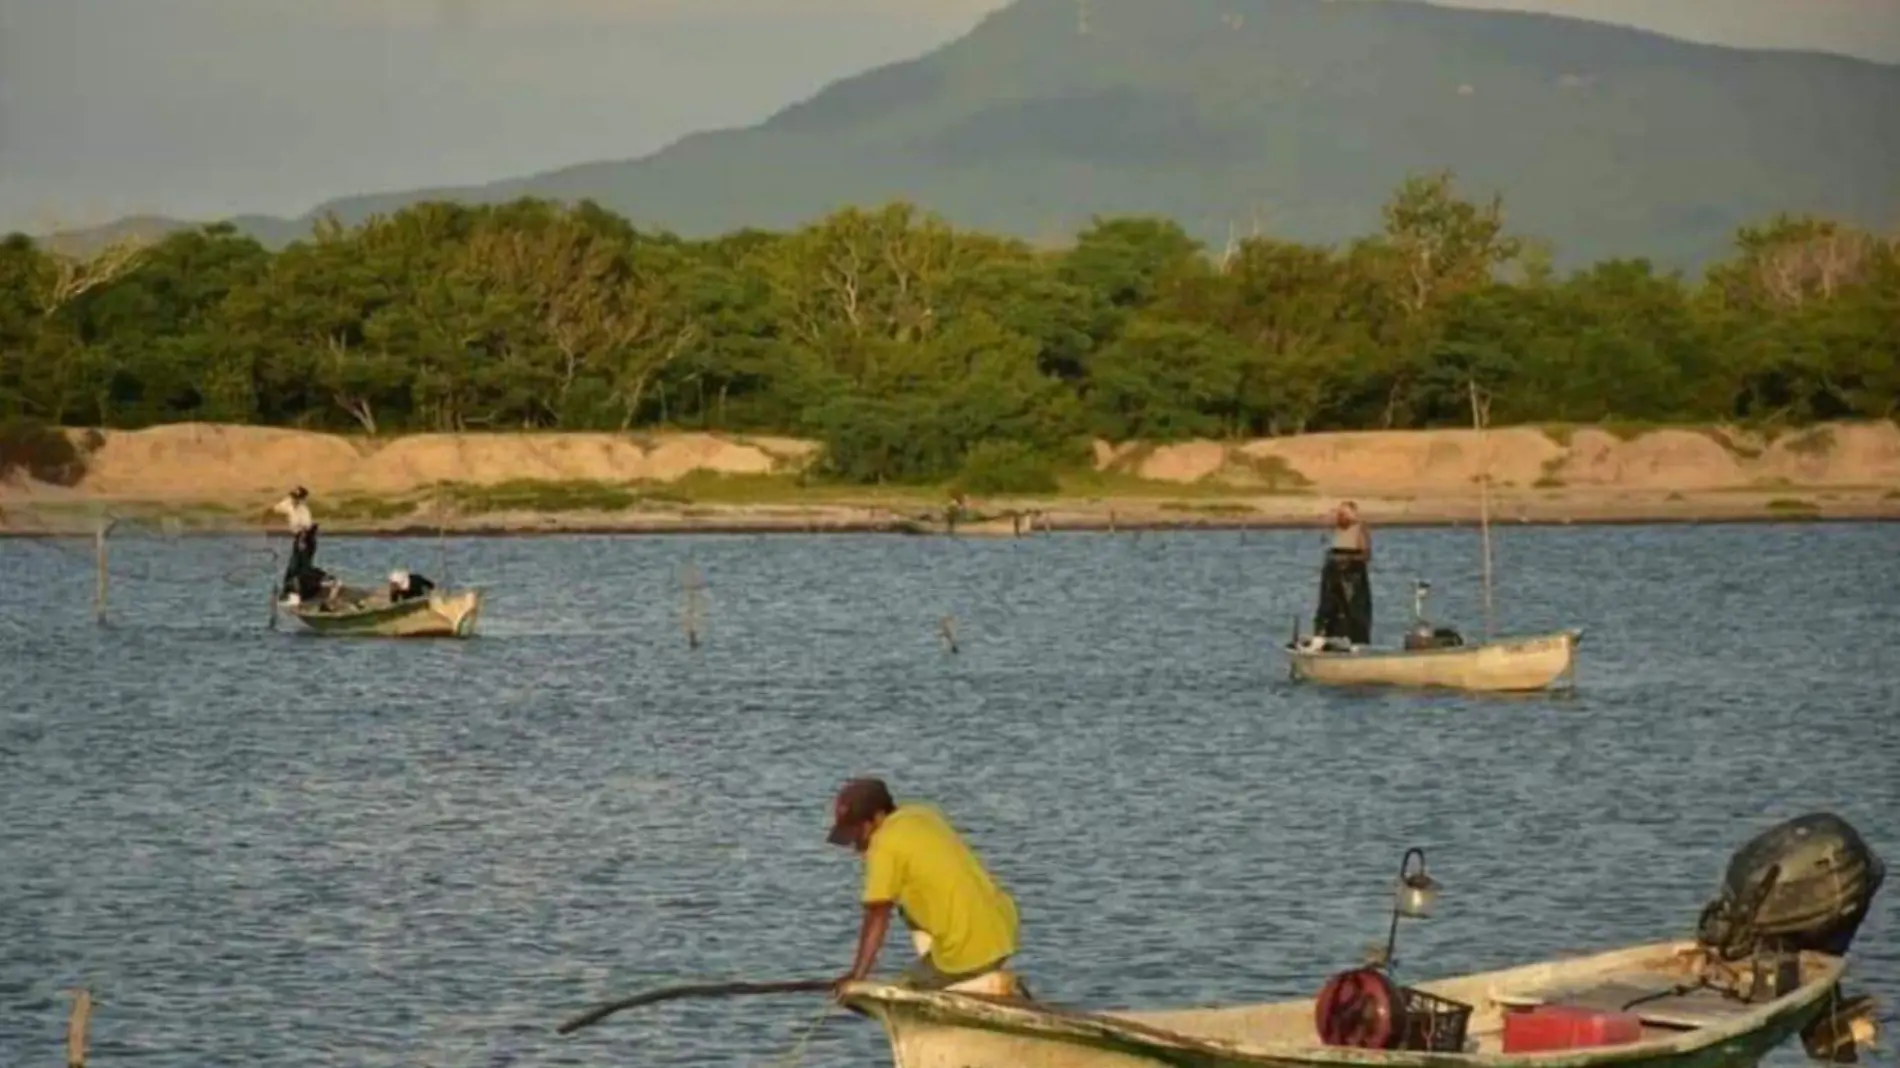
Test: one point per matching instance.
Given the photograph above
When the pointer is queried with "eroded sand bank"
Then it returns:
(223, 475)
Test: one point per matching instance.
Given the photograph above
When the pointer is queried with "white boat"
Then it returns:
(1765, 964)
(1676, 1023)
(1504, 665)
(1439, 657)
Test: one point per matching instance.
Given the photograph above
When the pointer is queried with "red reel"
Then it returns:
(1359, 1008)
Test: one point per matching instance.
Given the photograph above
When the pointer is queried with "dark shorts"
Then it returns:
(923, 974)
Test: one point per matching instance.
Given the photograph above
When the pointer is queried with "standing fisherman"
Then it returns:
(962, 924)
(303, 534)
(1345, 594)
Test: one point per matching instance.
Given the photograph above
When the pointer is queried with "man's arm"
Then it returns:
(871, 931)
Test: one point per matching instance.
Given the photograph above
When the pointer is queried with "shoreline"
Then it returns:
(212, 478)
(82, 516)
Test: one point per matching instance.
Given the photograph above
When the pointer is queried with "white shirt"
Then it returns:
(297, 512)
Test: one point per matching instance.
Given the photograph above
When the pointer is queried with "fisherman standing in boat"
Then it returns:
(962, 923)
(303, 534)
(1345, 592)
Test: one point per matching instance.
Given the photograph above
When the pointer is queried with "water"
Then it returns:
(262, 848)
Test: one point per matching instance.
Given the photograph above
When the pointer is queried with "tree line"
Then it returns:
(918, 351)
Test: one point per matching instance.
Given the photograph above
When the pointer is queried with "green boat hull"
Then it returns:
(451, 615)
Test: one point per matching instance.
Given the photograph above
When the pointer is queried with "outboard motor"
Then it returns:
(1423, 635)
(1802, 885)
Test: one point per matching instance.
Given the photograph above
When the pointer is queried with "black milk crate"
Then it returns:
(1431, 1023)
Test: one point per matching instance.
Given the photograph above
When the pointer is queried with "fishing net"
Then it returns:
(106, 557)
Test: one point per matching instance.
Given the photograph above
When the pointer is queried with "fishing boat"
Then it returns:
(1765, 965)
(430, 611)
(1438, 657)
(1646, 997)
(353, 612)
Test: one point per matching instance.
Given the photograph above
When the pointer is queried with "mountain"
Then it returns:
(1298, 115)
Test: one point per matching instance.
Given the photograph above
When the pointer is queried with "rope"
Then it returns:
(796, 1054)
(252, 560)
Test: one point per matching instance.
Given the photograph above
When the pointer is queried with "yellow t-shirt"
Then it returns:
(917, 860)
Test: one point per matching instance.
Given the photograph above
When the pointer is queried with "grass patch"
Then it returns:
(1675, 496)
(1792, 504)
(1549, 479)
(1272, 473)
(713, 487)
(1560, 434)
(1736, 442)
(1005, 467)
(1094, 485)
(537, 495)
(1891, 495)
(1564, 435)
(1816, 442)
(1131, 460)
(697, 489)
(1209, 507)
(1628, 430)
(364, 507)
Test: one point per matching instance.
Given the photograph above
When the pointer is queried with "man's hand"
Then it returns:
(871, 928)
(838, 984)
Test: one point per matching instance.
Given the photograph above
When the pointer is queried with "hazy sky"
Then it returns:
(204, 108)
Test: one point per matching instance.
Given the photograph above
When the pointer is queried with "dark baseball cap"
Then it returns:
(859, 801)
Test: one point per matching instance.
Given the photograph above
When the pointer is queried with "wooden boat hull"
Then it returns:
(1533, 662)
(446, 615)
(947, 1030)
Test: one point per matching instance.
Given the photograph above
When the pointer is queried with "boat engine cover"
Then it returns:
(1803, 885)
(1428, 637)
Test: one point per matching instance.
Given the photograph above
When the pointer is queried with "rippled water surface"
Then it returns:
(263, 848)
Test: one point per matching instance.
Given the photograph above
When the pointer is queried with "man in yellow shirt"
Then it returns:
(915, 860)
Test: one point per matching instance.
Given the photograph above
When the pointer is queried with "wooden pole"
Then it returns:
(694, 606)
(704, 990)
(99, 552)
(1479, 417)
(76, 1029)
(441, 543)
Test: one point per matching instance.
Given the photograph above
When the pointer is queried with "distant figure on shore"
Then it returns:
(404, 586)
(295, 509)
(1345, 591)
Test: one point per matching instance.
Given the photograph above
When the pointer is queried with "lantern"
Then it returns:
(1414, 898)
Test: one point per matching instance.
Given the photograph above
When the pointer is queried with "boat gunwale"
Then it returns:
(390, 610)
(1374, 653)
(1105, 1030)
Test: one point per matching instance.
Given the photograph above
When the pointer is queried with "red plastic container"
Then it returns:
(1552, 1027)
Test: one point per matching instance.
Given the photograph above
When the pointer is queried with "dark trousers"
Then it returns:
(303, 553)
(1345, 598)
